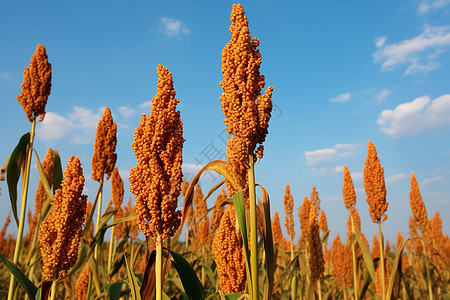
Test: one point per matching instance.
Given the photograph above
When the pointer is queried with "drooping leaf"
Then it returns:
(395, 277)
(365, 252)
(23, 280)
(192, 285)
(13, 171)
(114, 290)
(218, 166)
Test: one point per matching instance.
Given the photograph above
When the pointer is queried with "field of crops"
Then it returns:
(234, 249)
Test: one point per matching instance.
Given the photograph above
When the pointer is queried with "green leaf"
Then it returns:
(57, 170)
(239, 205)
(191, 284)
(234, 296)
(132, 282)
(366, 254)
(28, 286)
(114, 290)
(396, 271)
(16, 161)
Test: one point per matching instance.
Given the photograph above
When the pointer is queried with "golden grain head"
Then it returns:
(59, 234)
(104, 158)
(316, 259)
(36, 86)
(288, 202)
(348, 190)
(417, 206)
(156, 179)
(374, 185)
(41, 196)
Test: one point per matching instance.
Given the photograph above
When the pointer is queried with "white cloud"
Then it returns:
(396, 177)
(191, 168)
(124, 174)
(79, 126)
(145, 104)
(173, 27)
(5, 75)
(416, 117)
(430, 180)
(126, 111)
(341, 98)
(331, 154)
(427, 5)
(328, 171)
(413, 52)
(381, 95)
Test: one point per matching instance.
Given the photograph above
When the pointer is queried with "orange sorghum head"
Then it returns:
(203, 235)
(104, 158)
(288, 201)
(277, 233)
(356, 222)
(229, 255)
(90, 232)
(387, 275)
(417, 206)
(82, 284)
(200, 207)
(246, 111)
(156, 179)
(341, 257)
(41, 196)
(3, 234)
(348, 190)
(60, 233)
(316, 260)
(218, 210)
(303, 215)
(116, 188)
(323, 225)
(36, 86)
(315, 200)
(374, 185)
(375, 247)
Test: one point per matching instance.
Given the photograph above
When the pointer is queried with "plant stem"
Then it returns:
(355, 270)
(319, 289)
(430, 290)
(253, 226)
(111, 247)
(23, 208)
(381, 242)
(158, 267)
(294, 278)
(99, 213)
(203, 268)
(53, 291)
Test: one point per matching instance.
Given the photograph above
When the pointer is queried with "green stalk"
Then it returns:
(355, 270)
(111, 247)
(158, 267)
(294, 278)
(253, 226)
(53, 291)
(319, 290)
(23, 209)
(380, 241)
(425, 252)
(99, 213)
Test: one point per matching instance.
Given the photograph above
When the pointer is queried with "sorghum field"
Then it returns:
(234, 249)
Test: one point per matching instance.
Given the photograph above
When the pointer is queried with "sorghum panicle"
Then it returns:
(288, 202)
(36, 86)
(417, 206)
(348, 190)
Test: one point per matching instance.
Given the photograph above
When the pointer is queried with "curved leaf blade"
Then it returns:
(28, 286)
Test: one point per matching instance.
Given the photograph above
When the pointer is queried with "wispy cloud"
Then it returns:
(416, 117)
(341, 98)
(396, 177)
(6, 75)
(426, 5)
(381, 96)
(431, 180)
(126, 111)
(331, 154)
(146, 104)
(419, 53)
(172, 27)
(79, 126)
(328, 171)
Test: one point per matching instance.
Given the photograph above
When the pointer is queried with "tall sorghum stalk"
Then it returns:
(349, 195)
(421, 220)
(288, 202)
(36, 88)
(376, 198)
(156, 179)
(247, 114)
(103, 160)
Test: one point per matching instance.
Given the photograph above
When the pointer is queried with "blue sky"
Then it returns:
(343, 73)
